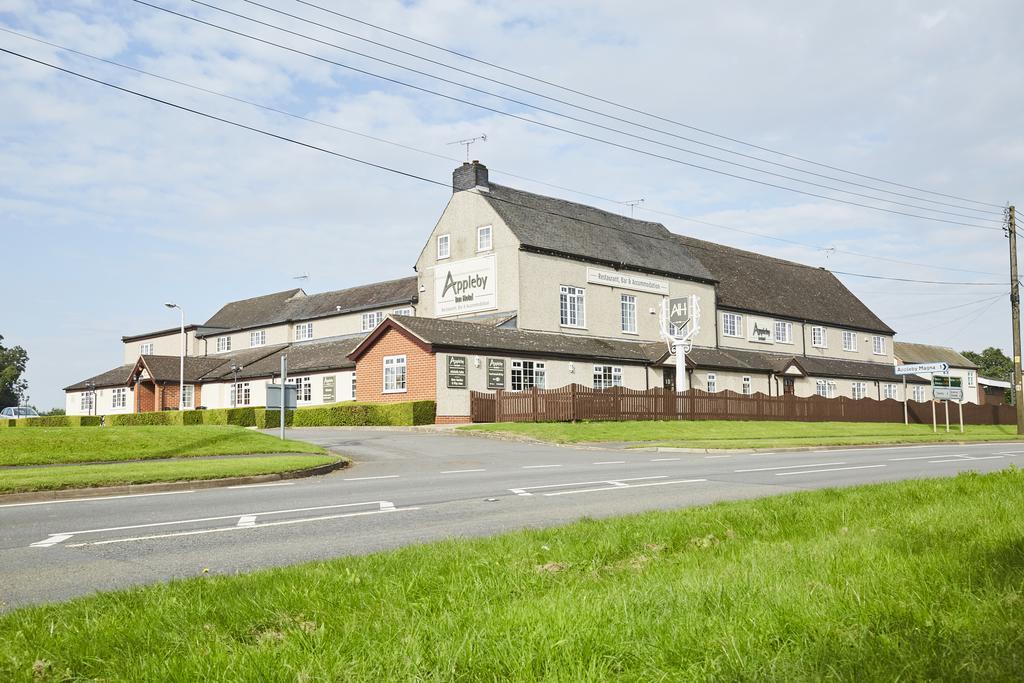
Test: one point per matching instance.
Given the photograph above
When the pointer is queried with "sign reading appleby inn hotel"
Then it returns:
(465, 286)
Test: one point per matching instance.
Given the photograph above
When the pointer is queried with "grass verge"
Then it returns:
(739, 434)
(918, 580)
(52, 445)
(83, 476)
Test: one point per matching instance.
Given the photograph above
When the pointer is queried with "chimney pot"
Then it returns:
(470, 176)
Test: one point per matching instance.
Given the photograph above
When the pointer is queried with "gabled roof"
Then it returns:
(304, 357)
(441, 334)
(116, 377)
(167, 368)
(295, 305)
(753, 282)
(928, 353)
(558, 226)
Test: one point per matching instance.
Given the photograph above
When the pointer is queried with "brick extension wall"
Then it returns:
(452, 419)
(421, 370)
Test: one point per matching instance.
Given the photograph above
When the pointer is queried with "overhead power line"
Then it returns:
(389, 169)
(550, 126)
(590, 110)
(635, 110)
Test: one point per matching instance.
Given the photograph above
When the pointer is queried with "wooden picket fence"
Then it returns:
(577, 402)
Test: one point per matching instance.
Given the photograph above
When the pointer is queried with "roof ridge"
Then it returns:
(587, 206)
(368, 284)
(766, 257)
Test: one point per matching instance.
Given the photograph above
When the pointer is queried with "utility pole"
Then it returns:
(1011, 229)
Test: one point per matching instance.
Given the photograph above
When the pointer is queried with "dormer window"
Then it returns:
(258, 338)
(223, 344)
(303, 331)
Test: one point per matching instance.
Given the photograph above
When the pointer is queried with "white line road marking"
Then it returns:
(925, 457)
(664, 459)
(525, 490)
(247, 520)
(538, 467)
(383, 476)
(621, 486)
(1011, 453)
(382, 504)
(198, 532)
(610, 462)
(54, 539)
(460, 471)
(968, 459)
(259, 486)
(715, 457)
(790, 467)
(520, 492)
(89, 500)
(833, 469)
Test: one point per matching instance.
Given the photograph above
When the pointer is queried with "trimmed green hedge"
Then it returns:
(366, 414)
(145, 419)
(56, 421)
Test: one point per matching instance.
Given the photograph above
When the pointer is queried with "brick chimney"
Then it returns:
(470, 176)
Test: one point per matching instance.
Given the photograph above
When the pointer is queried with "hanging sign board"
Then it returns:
(639, 283)
(456, 372)
(678, 311)
(465, 286)
(921, 368)
(495, 373)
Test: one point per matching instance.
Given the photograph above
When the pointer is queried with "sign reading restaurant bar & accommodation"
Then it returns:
(457, 372)
(465, 286)
(495, 373)
(638, 283)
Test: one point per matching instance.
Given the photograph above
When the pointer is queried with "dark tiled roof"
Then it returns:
(926, 353)
(852, 369)
(483, 338)
(167, 368)
(305, 357)
(111, 378)
(575, 230)
(754, 282)
(754, 361)
(732, 359)
(258, 310)
(158, 333)
(295, 305)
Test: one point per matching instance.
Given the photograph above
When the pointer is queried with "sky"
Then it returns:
(113, 204)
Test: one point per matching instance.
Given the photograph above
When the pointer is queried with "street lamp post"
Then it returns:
(181, 358)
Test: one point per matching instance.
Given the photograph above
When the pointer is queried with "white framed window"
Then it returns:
(444, 244)
(732, 324)
(747, 387)
(783, 332)
(303, 388)
(627, 307)
(878, 345)
(607, 376)
(303, 331)
(394, 374)
(223, 344)
(86, 403)
(483, 238)
(818, 337)
(119, 398)
(571, 305)
(833, 390)
(371, 320)
(405, 310)
(146, 349)
(258, 338)
(528, 374)
(849, 341)
(859, 390)
(919, 393)
(825, 389)
(188, 397)
(241, 394)
(889, 391)
(712, 382)
(972, 379)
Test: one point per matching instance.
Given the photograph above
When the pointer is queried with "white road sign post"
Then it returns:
(940, 367)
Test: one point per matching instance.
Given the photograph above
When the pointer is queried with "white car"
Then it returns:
(17, 412)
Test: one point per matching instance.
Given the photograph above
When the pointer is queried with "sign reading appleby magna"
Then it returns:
(465, 286)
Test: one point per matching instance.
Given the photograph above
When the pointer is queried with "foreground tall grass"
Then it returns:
(917, 580)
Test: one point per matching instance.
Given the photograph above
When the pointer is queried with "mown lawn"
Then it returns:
(737, 434)
(49, 445)
(81, 476)
(919, 580)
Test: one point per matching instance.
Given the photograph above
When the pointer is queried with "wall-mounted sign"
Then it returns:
(638, 283)
(760, 331)
(457, 372)
(465, 287)
(495, 373)
(330, 396)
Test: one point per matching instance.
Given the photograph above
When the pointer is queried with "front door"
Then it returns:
(788, 386)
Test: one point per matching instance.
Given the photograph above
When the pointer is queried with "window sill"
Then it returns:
(573, 327)
(395, 391)
(632, 334)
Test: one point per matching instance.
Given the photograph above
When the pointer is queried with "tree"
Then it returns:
(12, 365)
(992, 363)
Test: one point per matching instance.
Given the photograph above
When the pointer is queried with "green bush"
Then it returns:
(192, 417)
(218, 416)
(57, 421)
(145, 419)
(366, 414)
(89, 420)
(270, 419)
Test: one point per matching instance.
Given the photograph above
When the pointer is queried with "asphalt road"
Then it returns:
(409, 487)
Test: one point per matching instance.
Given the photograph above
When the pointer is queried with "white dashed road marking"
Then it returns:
(538, 467)
(611, 462)
(260, 486)
(832, 469)
(618, 485)
(790, 467)
(664, 459)
(247, 520)
(383, 476)
(54, 539)
(95, 498)
(525, 490)
(460, 471)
